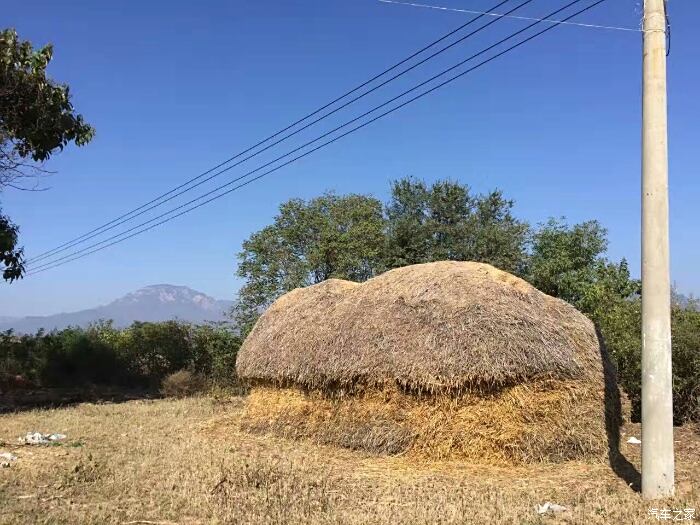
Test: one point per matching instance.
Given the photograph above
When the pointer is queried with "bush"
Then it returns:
(621, 327)
(74, 357)
(686, 364)
(214, 353)
(139, 356)
(182, 383)
(155, 350)
(69, 358)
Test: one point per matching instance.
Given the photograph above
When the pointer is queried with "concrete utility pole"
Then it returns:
(657, 400)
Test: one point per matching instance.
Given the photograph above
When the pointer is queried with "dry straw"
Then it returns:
(437, 360)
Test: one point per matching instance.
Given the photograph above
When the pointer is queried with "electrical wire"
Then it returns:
(85, 238)
(328, 133)
(506, 15)
(79, 255)
(142, 208)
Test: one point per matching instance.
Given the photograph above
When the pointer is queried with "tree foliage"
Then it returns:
(10, 255)
(355, 237)
(37, 119)
(141, 355)
(309, 242)
(36, 114)
(445, 222)
(568, 262)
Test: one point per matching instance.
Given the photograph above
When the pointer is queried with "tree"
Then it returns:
(10, 256)
(327, 237)
(445, 222)
(568, 262)
(37, 119)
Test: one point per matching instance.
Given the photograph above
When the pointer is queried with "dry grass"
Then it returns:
(446, 359)
(519, 424)
(185, 461)
(432, 327)
(182, 383)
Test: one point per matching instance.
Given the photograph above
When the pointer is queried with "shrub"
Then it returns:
(182, 383)
(214, 353)
(686, 364)
(74, 358)
(155, 350)
(139, 356)
(621, 327)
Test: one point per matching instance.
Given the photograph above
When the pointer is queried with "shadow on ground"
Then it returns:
(613, 422)
(31, 399)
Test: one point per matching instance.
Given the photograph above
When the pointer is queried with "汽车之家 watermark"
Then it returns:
(672, 514)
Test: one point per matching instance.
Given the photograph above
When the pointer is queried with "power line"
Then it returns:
(133, 213)
(87, 237)
(69, 258)
(507, 15)
(75, 256)
(310, 142)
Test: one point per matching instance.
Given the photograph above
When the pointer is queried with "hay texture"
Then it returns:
(446, 359)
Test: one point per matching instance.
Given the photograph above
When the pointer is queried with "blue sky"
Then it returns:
(176, 87)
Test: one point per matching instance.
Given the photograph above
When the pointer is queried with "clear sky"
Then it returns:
(175, 87)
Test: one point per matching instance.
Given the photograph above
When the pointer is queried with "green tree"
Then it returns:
(37, 119)
(445, 222)
(310, 241)
(568, 262)
(10, 255)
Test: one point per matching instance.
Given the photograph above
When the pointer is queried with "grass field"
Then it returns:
(185, 461)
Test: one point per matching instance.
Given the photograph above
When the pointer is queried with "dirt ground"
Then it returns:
(185, 461)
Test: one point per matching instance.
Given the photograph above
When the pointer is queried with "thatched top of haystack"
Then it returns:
(433, 326)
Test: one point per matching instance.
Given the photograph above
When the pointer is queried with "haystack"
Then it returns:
(439, 360)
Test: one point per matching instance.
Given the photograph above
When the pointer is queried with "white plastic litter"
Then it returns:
(37, 438)
(6, 458)
(634, 441)
(550, 507)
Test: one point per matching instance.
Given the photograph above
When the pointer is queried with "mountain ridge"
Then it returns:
(156, 302)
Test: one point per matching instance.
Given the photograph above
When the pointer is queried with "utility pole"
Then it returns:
(657, 399)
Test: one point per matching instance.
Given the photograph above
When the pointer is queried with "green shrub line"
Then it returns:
(621, 328)
(140, 356)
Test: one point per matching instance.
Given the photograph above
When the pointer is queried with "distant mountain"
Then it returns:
(160, 302)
